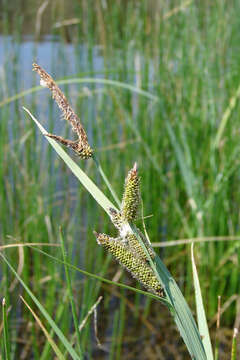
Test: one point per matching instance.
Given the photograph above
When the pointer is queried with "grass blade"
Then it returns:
(115, 83)
(201, 316)
(98, 195)
(101, 172)
(70, 293)
(6, 341)
(234, 345)
(186, 172)
(181, 312)
(217, 339)
(226, 116)
(54, 326)
(107, 281)
(48, 336)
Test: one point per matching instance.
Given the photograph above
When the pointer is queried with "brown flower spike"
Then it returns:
(81, 147)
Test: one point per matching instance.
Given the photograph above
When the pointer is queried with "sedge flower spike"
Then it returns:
(126, 248)
(131, 196)
(81, 147)
(136, 248)
(138, 268)
(116, 218)
(130, 202)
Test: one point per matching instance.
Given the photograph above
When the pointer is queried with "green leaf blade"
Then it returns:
(201, 316)
(54, 326)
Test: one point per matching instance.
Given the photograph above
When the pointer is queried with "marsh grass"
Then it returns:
(189, 62)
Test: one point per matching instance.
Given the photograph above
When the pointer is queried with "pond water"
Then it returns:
(51, 53)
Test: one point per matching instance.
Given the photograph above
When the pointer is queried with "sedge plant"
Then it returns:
(131, 248)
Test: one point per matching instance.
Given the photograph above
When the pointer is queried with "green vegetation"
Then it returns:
(153, 83)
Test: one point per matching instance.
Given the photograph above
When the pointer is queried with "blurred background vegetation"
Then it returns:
(183, 131)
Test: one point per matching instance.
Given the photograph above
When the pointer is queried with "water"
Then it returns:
(55, 57)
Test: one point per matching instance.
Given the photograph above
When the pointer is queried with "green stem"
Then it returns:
(105, 179)
(5, 331)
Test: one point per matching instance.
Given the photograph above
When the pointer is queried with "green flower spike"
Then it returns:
(136, 247)
(131, 196)
(116, 218)
(136, 266)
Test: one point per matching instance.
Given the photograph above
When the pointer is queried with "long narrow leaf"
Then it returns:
(185, 171)
(101, 172)
(181, 314)
(234, 345)
(54, 326)
(201, 316)
(77, 171)
(46, 333)
(107, 281)
(6, 341)
(70, 295)
(110, 82)
(226, 116)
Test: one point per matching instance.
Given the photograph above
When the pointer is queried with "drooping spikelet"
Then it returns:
(81, 146)
(136, 266)
(131, 195)
(84, 151)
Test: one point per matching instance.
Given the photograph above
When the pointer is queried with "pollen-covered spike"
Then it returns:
(84, 151)
(131, 195)
(136, 247)
(146, 243)
(116, 218)
(81, 147)
(102, 239)
(136, 266)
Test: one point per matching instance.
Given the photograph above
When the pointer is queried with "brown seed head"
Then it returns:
(81, 147)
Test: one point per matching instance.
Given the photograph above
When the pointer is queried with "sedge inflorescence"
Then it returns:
(131, 195)
(138, 268)
(81, 146)
(126, 248)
